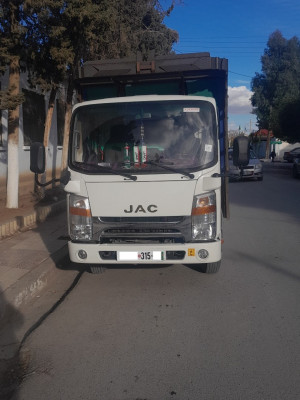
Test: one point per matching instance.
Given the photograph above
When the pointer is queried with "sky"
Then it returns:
(239, 31)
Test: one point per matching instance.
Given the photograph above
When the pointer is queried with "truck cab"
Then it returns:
(145, 181)
(147, 162)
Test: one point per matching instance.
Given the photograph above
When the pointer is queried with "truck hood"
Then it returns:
(137, 199)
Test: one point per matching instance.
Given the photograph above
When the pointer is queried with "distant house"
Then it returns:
(263, 134)
(260, 141)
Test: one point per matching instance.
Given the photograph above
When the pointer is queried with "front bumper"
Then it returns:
(188, 253)
(252, 174)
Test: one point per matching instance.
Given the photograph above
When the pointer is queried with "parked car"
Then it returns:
(289, 156)
(254, 170)
(296, 167)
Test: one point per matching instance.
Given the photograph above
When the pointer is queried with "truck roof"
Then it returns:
(138, 98)
(169, 64)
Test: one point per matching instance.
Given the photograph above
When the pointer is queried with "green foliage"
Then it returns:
(277, 89)
(289, 120)
(53, 37)
(48, 50)
(61, 34)
(132, 27)
(9, 101)
(12, 34)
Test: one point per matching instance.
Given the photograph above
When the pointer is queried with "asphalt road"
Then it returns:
(174, 333)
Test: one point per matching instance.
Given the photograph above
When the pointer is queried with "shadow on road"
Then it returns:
(271, 266)
(33, 258)
(13, 364)
(250, 193)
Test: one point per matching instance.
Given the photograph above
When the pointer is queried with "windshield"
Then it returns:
(144, 136)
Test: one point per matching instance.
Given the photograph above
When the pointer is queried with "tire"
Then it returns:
(96, 269)
(260, 178)
(209, 268)
(212, 268)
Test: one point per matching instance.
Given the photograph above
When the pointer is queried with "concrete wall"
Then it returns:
(53, 153)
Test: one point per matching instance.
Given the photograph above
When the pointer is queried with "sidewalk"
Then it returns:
(31, 210)
(33, 240)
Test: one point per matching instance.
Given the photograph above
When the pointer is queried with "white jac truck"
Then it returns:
(147, 162)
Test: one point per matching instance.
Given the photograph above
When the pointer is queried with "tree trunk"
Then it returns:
(48, 123)
(64, 159)
(268, 145)
(49, 116)
(13, 138)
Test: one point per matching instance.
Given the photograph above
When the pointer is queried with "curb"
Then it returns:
(25, 221)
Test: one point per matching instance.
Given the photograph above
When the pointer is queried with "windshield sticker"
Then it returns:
(208, 148)
(198, 134)
(191, 109)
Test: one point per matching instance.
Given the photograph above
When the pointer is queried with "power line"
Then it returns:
(215, 42)
(237, 73)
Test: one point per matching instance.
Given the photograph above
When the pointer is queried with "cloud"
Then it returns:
(239, 100)
(233, 126)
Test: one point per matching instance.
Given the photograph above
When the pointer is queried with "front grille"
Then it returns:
(142, 230)
(141, 220)
(130, 231)
(142, 235)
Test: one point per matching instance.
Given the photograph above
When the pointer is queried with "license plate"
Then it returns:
(247, 172)
(141, 256)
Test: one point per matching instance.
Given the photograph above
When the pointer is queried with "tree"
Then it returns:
(57, 36)
(277, 88)
(289, 120)
(81, 21)
(102, 28)
(131, 27)
(12, 34)
(44, 69)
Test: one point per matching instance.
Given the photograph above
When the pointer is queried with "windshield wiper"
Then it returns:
(163, 166)
(107, 169)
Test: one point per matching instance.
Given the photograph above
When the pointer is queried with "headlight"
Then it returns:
(80, 218)
(204, 217)
(258, 166)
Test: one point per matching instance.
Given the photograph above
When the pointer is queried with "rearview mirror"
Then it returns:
(37, 158)
(241, 151)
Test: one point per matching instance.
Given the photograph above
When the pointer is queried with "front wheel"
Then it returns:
(209, 268)
(212, 268)
(96, 269)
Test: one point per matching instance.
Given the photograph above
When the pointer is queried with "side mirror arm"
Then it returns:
(64, 179)
(36, 178)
